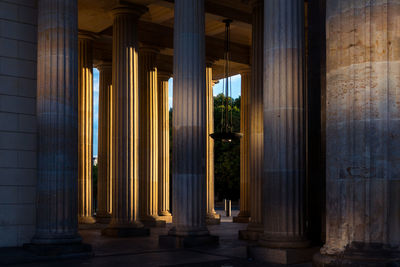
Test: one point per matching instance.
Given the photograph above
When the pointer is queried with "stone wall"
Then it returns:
(18, 31)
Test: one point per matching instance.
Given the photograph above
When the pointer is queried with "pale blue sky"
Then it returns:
(235, 80)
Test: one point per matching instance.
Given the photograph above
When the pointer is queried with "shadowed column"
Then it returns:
(244, 214)
(148, 137)
(104, 186)
(163, 146)
(125, 110)
(256, 138)
(189, 128)
(212, 217)
(85, 129)
(57, 117)
(362, 134)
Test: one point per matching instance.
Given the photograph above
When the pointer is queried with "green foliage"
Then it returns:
(227, 155)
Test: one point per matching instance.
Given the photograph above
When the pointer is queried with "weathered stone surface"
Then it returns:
(57, 114)
(189, 121)
(85, 129)
(363, 183)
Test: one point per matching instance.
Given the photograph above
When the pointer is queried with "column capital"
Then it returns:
(103, 65)
(86, 35)
(245, 71)
(210, 61)
(148, 48)
(163, 75)
(129, 9)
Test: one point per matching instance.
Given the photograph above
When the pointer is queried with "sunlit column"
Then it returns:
(212, 216)
(148, 167)
(104, 186)
(85, 129)
(244, 214)
(362, 134)
(163, 147)
(125, 132)
(189, 127)
(57, 128)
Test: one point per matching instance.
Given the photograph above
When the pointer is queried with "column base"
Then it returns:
(213, 219)
(86, 220)
(175, 241)
(281, 255)
(253, 232)
(166, 217)
(358, 258)
(103, 219)
(241, 219)
(153, 221)
(125, 231)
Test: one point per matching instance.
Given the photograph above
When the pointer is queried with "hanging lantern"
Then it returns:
(226, 133)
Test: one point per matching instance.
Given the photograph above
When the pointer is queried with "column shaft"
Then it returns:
(256, 139)
(284, 125)
(362, 145)
(244, 214)
(85, 129)
(189, 120)
(57, 115)
(163, 147)
(104, 187)
(212, 217)
(125, 130)
(148, 136)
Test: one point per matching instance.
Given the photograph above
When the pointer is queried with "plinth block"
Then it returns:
(166, 218)
(157, 222)
(57, 250)
(213, 220)
(241, 219)
(173, 241)
(281, 255)
(358, 259)
(103, 219)
(249, 235)
(125, 232)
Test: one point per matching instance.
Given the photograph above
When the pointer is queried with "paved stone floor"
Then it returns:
(144, 251)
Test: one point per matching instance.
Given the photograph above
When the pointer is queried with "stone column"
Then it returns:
(189, 132)
(256, 137)
(57, 128)
(362, 129)
(104, 186)
(244, 214)
(125, 132)
(163, 146)
(211, 217)
(148, 147)
(85, 129)
(284, 184)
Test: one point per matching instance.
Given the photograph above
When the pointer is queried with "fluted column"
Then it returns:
(189, 124)
(125, 132)
(256, 138)
(163, 146)
(148, 137)
(244, 214)
(212, 217)
(284, 125)
(362, 130)
(104, 186)
(57, 128)
(85, 129)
